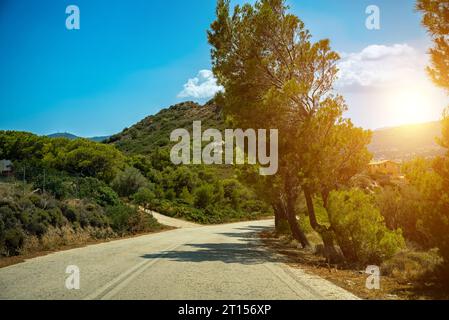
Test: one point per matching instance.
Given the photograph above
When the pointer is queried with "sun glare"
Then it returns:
(411, 106)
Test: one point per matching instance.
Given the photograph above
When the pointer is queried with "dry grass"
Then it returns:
(66, 238)
(401, 279)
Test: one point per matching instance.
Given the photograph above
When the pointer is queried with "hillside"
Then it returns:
(397, 143)
(154, 131)
(407, 142)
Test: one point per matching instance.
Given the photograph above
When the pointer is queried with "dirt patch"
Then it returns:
(352, 280)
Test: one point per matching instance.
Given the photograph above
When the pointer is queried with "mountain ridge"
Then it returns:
(395, 143)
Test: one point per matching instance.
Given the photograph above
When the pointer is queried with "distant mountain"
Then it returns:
(99, 139)
(407, 142)
(73, 137)
(63, 135)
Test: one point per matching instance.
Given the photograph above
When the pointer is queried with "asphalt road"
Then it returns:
(213, 262)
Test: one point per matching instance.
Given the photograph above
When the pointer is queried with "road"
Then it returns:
(214, 262)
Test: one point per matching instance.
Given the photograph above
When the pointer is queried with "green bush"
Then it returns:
(119, 216)
(360, 229)
(204, 196)
(125, 219)
(13, 240)
(409, 265)
(100, 192)
(404, 207)
(128, 182)
(144, 197)
(186, 196)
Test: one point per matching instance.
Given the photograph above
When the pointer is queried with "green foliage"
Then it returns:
(128, 182)
(403, 207)
(204, 196)
(360, 229)
(119, 217)
(144, 197)
(80, 157)
(151, 135)
(436, 20)
(96, 190)
(186, 196)
(410, 265)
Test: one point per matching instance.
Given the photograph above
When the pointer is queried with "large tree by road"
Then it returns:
(275, 77)
(436, 21)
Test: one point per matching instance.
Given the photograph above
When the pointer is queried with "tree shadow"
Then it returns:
(248, 252)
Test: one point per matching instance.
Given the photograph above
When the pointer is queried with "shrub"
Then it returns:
(59, 186)
(119, 216)
(140, 221)
(360, 229)
(144, 197)
(128, 182)
(409, 265)
(203, 196)
(186, 196)
(404, 208)
(100, 192)
(13, 241)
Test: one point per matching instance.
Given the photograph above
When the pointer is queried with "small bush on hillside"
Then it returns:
(128, 182)
(360, 229)
(204, 196)
(100, 192)
(144, 197)
(409, 265)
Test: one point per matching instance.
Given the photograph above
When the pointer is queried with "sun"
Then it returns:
(410, 106)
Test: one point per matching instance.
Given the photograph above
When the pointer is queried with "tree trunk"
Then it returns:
(330, 252)
(297, 233)
(280, 218)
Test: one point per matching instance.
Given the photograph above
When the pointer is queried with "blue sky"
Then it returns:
(132, 58)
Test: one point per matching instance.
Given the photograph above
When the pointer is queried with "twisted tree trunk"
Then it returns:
(280, 218)
(297, 233)
(330, 252)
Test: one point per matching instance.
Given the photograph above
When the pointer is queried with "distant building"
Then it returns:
(5, 167)
(388, 167)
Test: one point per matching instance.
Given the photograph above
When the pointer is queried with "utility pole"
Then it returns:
(24, 179)
(44, 182)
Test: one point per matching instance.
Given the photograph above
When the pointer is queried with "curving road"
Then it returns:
(214, 262)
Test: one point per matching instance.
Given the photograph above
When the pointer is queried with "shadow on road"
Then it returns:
(247, 251)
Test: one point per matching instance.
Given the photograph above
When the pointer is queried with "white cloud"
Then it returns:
(203, 86)
(388, 86)
(381, 66)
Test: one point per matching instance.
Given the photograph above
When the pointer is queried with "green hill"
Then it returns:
(154, 131)
(396, 143)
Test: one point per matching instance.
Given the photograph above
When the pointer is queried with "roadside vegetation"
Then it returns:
(322, 195)
(275, 76)
(66, 190)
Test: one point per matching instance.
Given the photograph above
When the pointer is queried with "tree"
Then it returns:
(274, 77)
(436, 20)
(332, 152)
